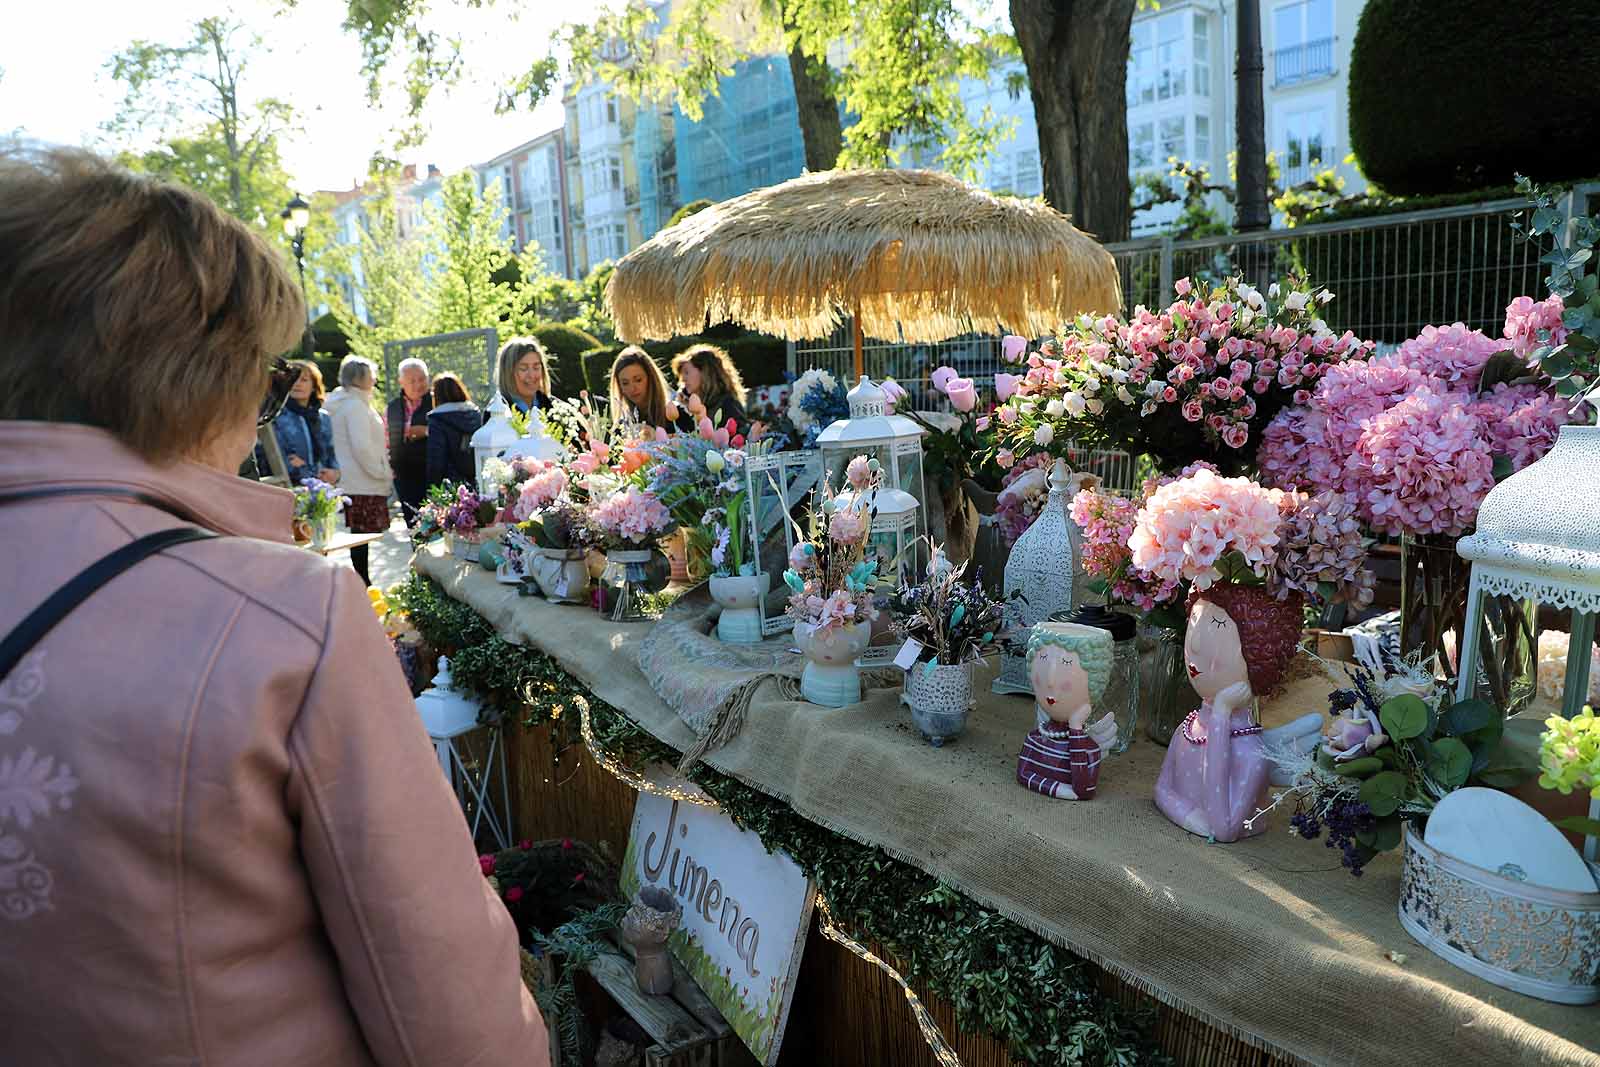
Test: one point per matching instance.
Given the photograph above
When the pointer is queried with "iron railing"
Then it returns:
(1313, 59)
(469, 354)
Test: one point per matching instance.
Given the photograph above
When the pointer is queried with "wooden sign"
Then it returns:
(745, 911)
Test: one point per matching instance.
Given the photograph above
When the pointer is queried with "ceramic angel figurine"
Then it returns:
(1069, 666)
(1239, 642)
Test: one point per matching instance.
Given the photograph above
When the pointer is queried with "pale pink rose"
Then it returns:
(1007, 415)
(1192, 411)
(1005, 458)
(847, 526)
(893, 393)
(963, 394)
(941, 377)
(1006, 384)
(1182, 286)
(858, 473)
(983, 424)
(1012, 348)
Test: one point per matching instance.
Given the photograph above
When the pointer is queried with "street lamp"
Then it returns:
(296, 217)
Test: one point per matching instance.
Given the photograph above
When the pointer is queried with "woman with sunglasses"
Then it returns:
(239, 847)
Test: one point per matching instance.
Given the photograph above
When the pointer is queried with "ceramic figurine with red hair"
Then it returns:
(1239, 642)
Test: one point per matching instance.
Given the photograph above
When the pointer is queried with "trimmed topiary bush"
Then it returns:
(1447, 97)
(565, 346)
(692, 207)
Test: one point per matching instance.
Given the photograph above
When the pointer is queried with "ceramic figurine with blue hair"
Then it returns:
(1069, 666)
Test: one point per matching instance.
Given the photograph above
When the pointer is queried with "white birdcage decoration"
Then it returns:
(895, 441)
(1045, 568)
(492, 439)
(775, 483)
(1538, 538)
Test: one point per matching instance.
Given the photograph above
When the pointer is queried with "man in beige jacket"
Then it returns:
(224, 837)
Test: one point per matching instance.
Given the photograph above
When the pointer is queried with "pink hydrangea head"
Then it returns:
(1526, 317)
(1451, 353)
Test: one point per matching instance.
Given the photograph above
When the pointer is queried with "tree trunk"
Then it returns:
(819, 112)
(1076, 53)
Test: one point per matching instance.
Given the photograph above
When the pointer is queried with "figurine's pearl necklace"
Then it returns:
(1188, 724)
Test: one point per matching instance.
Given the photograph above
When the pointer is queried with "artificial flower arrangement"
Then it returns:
(830, 579)
(816, 401)
(1569, 759)
(952, 620)
(1200, 528)
(699, 477)
(317, 502)
(1396, 744)
(955, 446)
(1418, 437)
(1199, 379)
(631, 518)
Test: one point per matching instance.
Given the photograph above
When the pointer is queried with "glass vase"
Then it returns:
(627, 584)
(1433, 610)
(323, 530)
(1165, 696)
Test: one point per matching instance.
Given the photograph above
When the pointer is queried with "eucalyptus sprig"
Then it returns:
(1574, 365)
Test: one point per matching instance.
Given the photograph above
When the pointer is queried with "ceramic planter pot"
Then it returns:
(831, 677)
(740, 597)
(1538, 941)
(940, 697)
(677, 553)
(562, 575)
(646, 926)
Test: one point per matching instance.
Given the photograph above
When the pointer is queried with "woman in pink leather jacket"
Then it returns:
(224, 837)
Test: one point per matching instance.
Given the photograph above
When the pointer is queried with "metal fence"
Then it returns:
(468, 354)
(1391, 275)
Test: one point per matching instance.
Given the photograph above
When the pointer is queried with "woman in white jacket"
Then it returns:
(358, 434)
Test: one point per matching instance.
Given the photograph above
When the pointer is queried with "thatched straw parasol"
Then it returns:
(908, 254)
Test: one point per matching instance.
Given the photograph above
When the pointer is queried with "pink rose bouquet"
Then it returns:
(1201, 378)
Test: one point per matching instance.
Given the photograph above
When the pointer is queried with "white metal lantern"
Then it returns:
(536, 443)
(1045, 569)
(448, 715)
(1538, 538)
(775, 482)
(492, 438)
(892, 536)
(893, 440)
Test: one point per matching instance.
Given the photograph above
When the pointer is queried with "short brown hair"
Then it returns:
(318, 389)
(447, 389)
(133, 304)
(720, 378)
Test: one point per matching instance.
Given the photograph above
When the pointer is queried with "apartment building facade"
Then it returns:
(532, 178)
(1181, 99)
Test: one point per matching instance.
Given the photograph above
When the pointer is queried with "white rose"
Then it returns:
(1296, 301)
(1123, 394)
(1075, 403)
(1095, 405)
(1318, 327)
(1091, 386)
(1055, 409)
(1044, 435)
(1272, 290)
(1324, 296)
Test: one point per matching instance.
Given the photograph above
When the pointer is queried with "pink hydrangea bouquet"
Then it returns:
(1415, 439)
(631, 518)
(1199, 379)
(544, 486)
(830, 578)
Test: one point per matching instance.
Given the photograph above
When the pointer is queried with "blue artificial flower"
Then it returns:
(794, 581)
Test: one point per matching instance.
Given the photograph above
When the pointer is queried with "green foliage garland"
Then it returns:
(1044, 1002)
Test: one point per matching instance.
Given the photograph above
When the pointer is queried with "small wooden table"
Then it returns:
(342, 540)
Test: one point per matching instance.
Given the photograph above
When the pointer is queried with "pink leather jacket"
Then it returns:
(224, 836)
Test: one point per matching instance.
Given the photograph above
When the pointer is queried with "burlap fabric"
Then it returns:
(1266, 939)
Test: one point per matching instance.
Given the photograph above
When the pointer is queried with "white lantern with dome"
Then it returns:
(776, 483)
(1538, 538)
(892, 534)
(535, 442)
(492, 438)
(895, 441)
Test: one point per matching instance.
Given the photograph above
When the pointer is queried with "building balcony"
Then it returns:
(1302, 62)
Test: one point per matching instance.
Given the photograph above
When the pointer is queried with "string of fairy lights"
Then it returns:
(825, 922)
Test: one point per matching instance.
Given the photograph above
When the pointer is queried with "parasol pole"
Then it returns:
(855, 322)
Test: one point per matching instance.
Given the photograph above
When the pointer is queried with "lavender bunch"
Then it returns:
(954, 621)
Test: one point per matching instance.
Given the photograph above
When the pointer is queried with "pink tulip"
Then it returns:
(941, 377)
(963, 394)
(1182, 286)
(1012, 347)
(1004, 385)
(983, 424)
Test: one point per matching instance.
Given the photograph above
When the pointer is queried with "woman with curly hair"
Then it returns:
(709, 386)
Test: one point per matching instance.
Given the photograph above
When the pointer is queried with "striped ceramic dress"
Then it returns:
(1061, 764)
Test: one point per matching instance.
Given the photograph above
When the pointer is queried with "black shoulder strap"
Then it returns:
(31, 630)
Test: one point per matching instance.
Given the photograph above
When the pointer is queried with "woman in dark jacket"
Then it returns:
(451, 424)
(304, 430)
(408, 437)
(709, 387)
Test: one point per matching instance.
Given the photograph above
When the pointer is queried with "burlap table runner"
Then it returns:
(1266, 939)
